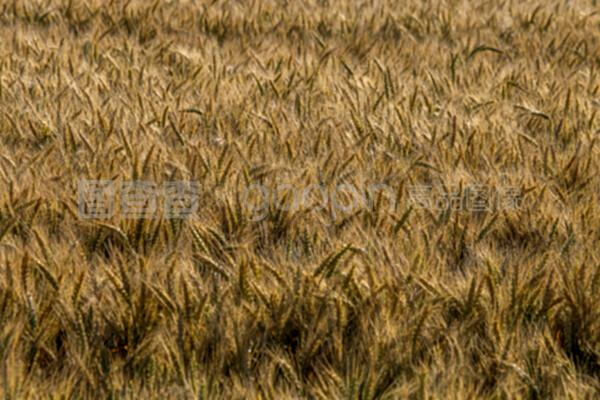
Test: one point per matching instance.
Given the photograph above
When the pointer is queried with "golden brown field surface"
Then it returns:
(387, 199)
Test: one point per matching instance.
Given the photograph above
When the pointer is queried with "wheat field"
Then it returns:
(292, 294)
